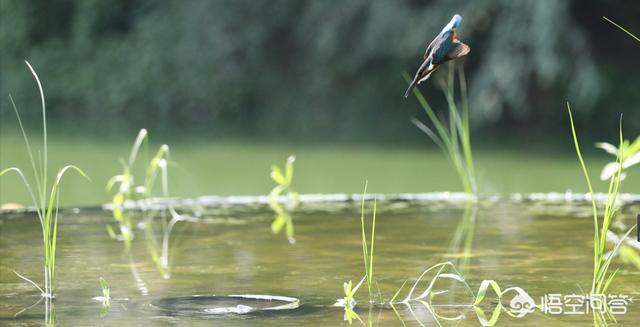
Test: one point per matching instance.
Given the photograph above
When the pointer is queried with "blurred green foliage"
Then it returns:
(316, 70)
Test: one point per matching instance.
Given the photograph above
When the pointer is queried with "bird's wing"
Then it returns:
(441, 47)
(422, 74)
(457, 50)
(429, 48)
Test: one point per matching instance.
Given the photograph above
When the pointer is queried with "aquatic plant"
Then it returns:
(128, 190)
(367, 251)
(159, 250)
(629, 251)
(452, 136)
(630, 153)
(459, 250)
(105, 299)
(283, 188)
(602, 278)
(448, 271)
(428, 292)
(46, 204)
(159, 165)
(105, 292)
(349, 302)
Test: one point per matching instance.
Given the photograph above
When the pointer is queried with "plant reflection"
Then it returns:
(461, 243)
(283, 189)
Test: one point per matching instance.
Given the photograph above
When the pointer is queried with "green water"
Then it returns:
(543, 247)
(208, 167)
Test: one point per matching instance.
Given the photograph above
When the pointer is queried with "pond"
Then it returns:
(541, 243)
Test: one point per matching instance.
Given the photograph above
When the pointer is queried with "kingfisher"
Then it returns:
(443, 48)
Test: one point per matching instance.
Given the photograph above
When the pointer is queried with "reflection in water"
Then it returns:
(159, 250)
(49, 308)
(49, 312)
(105, 299)
(311, 268)
(419, 299)
(460, 247)
(418, 302)
(166, 218)
(427, 314)
(283, 190)
(141, 285)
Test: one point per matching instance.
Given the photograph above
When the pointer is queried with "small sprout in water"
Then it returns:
(348, 302)
(349, 293)
(105, 298)
(283, 187)
(105, 290)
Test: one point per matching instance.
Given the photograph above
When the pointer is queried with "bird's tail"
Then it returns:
(411, 86)
(417, 80)
(423, 74)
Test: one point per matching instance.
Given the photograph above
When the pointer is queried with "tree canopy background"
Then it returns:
(317, 71)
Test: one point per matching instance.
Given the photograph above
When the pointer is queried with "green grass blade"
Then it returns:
(398, 292)
(607, 262)
(365, 251)
(440, 128)
(52, 210)
(29, 189)
(466, 137)
(373, 234)
(289, 169)
(621, 28)
(153, 166)
(482, 290)
(425, 129)
(142, 136)
(30, 282)
(44, 135)
(609, 281)
(54, 240)
(596, 253)
(452, 137)
(36, 174)
(612, 192)
(277, 176)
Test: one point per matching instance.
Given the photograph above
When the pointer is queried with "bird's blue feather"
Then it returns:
(442, 47)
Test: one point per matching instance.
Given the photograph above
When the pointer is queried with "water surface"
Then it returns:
(543, 247)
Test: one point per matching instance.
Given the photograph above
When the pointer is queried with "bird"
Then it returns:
(446, 46)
